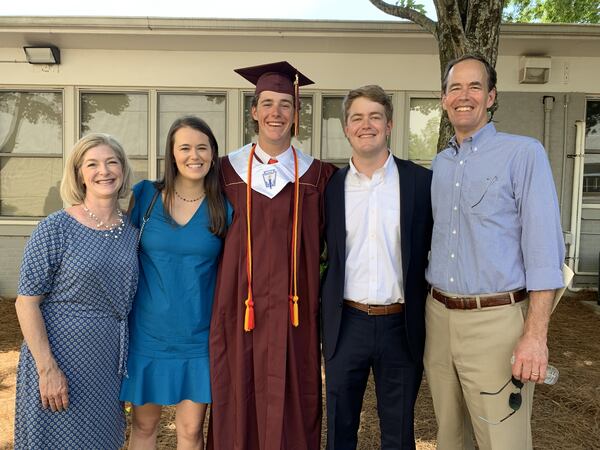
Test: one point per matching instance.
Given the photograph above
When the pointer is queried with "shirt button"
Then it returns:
(451, 280)
(452, 255)
(474, 149)
(453, 231)
(461, 162)
(457, 184)
(455, 208)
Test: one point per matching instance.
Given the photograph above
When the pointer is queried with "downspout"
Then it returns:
(564, 150)
(576, 198)
(548, 105)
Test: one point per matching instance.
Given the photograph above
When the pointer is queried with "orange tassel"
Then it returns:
(295, 318)
(296, 107)
(249, 316)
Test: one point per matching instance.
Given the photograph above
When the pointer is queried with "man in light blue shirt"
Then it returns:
(496, 258)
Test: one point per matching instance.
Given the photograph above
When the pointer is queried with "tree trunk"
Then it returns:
(463, 26)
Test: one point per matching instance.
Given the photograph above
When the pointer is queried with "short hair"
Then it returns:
(72, 188)
(374, 93)
(490, 71)
(254, 104)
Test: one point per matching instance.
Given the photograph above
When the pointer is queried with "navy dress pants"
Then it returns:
(379, 343)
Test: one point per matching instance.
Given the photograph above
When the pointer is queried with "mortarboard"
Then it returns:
(279, 77)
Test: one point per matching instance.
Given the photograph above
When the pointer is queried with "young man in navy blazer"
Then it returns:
(378, 233)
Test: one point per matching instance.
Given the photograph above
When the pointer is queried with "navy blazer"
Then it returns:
(416, 224)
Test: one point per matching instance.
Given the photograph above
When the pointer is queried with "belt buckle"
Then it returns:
(369, 310)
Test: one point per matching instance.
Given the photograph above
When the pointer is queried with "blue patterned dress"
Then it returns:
(88, 282)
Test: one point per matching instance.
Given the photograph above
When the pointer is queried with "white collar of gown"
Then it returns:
(269, 179)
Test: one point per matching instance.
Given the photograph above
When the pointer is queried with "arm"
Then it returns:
(531, 352)
(54, 391)
(543, 253)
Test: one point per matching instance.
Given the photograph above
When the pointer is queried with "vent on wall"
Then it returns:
(534, 69)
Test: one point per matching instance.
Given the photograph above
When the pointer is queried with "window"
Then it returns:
(125, 117)
(334, 145)
(591, 174)
(424, 122)
(303, 141)
(209, 107)
(31, 147)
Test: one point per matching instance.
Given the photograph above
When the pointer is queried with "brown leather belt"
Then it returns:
(485, 301)
(376, 310)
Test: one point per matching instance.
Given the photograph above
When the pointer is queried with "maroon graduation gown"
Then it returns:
(266, 383)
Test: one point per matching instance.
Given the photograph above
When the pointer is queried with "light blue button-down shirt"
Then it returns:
(496, 217)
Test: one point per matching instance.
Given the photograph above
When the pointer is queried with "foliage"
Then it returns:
(30, 107)
(592, 117)
(113, 104)
(421, 144)
(412, 5)
(38, 107)
(552, 11)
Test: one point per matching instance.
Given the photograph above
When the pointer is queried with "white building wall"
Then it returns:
(399, 58)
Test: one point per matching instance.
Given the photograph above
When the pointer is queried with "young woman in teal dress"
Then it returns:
(178, 253)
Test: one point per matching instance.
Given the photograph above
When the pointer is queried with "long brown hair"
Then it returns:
(214, 195)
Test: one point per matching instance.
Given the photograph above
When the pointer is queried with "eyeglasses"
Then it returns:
(514, 400)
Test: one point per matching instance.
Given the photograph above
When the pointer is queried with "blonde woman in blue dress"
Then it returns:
(179, 251)
(77, 282)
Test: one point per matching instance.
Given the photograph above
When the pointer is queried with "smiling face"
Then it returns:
(367, 128)
(192, 153)
(101, 172)
(274, 113)
(467, 98)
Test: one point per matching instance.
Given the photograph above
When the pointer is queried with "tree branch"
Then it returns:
(407, 13)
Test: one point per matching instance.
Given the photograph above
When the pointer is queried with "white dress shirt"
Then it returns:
(373, 253)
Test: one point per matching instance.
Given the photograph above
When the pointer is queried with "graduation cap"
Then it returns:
(279, 77)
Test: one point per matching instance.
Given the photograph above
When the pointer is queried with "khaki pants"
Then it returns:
(466, 352)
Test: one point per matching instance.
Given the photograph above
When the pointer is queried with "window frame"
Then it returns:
(34, 220)
(223, 147)
(409, 95)
(243, 93)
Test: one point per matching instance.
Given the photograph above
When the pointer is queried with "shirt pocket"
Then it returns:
(480, 196)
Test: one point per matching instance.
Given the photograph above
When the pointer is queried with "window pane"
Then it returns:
(334, 145)
(591, 171)
(592, 126)
(29, 186)
(303, 141)
(424, 123)
(210, 108)
(124, 116)
(31, 122)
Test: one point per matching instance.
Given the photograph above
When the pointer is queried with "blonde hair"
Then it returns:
(72, 189)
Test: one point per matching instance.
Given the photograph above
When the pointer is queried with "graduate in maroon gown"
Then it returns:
(264, 338)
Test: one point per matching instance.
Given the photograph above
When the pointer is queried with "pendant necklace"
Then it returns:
(113, 230)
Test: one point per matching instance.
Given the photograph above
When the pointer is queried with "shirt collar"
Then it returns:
(480, 136)
(380, 173)
(263, 156)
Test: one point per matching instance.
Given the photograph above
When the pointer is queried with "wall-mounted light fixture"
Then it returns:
(534, 69)
(42, 55)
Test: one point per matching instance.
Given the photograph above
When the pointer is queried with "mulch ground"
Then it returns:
(566, 416)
